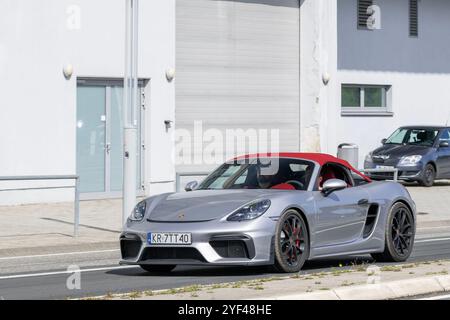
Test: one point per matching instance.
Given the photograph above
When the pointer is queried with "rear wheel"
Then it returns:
(399, 233)
(291, 242)
(157, 268)
(429, 175)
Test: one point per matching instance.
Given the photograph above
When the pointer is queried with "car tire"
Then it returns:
(429, 175)
(157, 268)
(399, 235)
(291, 247)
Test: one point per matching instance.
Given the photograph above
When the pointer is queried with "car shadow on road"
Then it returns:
(322, 265)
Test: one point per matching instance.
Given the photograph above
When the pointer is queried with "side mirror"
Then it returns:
(191, 186)
(383, 141)
(333, 185)
(443, 144)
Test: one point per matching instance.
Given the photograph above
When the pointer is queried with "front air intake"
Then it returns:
(230, 248)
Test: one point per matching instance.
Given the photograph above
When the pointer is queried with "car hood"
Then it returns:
(201, 205)
(396, 151)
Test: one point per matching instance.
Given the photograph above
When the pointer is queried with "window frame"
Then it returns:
(384, 110)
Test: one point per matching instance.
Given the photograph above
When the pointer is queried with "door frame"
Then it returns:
(108, 83)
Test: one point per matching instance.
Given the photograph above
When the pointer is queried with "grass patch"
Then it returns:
(391, 269)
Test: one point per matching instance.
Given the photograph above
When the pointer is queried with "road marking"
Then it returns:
(58, 254)
(43, 274)
(432, 240)
(447, 296)
(442, 227)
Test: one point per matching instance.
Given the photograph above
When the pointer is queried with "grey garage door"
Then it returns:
(238, 68)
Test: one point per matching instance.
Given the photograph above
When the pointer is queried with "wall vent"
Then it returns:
(363, 16)
(413, 18)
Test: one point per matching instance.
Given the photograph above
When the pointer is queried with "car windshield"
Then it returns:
(412, 136)
(260, 174)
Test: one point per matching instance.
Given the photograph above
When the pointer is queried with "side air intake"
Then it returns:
(371, 220)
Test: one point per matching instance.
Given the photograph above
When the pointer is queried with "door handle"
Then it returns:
(108, 147)
(363, 202)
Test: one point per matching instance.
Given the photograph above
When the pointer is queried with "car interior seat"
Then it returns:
(327, 174)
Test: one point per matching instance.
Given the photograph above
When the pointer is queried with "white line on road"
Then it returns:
(432, 240)
(58, 254)
(441, 227)
(43, 274)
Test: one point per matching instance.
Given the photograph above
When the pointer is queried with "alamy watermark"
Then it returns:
(374, 20)
(373, 275)
(73, 282)
(73, 20)
(212, 146)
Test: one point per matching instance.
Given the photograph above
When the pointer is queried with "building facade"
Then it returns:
(316, 72)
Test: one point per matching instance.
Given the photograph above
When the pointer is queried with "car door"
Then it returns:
(340, 216)
(443, 156)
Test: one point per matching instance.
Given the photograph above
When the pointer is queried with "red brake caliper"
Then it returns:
(297, 241)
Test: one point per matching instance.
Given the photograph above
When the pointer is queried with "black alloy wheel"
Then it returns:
(400, 232)
(291, 242)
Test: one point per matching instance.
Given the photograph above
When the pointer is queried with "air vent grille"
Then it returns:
(363, 16)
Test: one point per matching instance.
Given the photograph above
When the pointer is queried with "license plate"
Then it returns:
(174, 238)
(385, 167)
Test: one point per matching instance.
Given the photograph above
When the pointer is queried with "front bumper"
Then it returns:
(405, 173)
(213, 243)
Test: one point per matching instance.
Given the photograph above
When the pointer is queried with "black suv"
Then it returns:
(419, 153)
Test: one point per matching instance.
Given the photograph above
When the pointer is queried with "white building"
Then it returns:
(315, 70)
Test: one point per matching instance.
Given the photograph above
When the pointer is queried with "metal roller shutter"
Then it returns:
(238, 66)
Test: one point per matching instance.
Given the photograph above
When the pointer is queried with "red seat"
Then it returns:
(327, 175)
(283, 186)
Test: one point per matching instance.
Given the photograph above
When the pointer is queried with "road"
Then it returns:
(45, 276)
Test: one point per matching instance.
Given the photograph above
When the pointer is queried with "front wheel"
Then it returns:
(157, 268)
(429, 175)
(291, 242)
(399, 235)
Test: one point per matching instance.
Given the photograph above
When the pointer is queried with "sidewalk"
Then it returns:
(362, 282)
(47, 228)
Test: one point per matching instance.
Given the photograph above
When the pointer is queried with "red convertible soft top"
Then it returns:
(320, 158)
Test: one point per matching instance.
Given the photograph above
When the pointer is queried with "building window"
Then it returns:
(413, 18)
(363, 15)
(365, 99)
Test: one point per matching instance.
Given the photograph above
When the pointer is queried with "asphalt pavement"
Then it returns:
(46, 276)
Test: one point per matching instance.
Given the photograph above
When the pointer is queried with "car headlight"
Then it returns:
(410, 160)
(250, 211)
(138, 212)
(369, 157)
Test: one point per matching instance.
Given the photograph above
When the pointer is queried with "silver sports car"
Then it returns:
(278, 210)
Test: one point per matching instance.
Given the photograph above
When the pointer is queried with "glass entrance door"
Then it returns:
(100, 139)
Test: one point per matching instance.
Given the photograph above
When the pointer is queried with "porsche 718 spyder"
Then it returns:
(279, 210)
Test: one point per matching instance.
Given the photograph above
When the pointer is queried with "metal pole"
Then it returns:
(76, 223)
(130, 109)
(395, 175)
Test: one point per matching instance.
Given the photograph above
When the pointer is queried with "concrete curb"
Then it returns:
(380, 291)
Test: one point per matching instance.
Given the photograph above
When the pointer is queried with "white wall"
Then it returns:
(417, 99)
(157, 54)
(318, 56)
(38, 105)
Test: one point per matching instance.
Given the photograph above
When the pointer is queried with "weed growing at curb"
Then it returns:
(391, 269)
